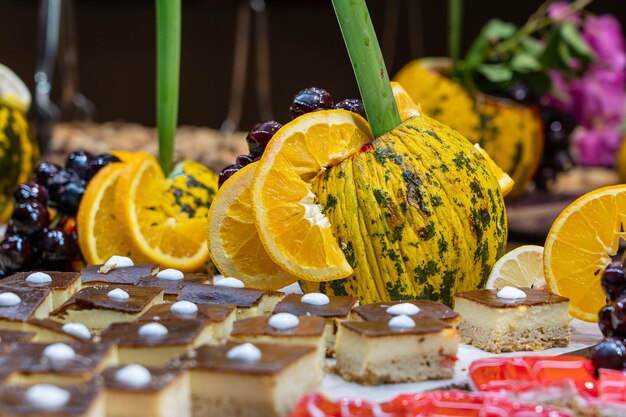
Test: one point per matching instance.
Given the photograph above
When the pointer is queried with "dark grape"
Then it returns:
(352, 104)
(260, 135)
(243, 160)
(613, 280)
(520, 92)
(605, 320)
(79, 162)
(57, 183)
(609, 354)
(15, 252)
(69, 199)
(100, 162)
(44, 172)
(619, 311)
(56, 245)
(309, 100)
(30, 191)
(30, 217)
(226, 173)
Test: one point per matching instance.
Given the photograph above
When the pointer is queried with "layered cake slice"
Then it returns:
(134, 390)
(249, 302)
(19, 304)
(416, 309)
(332, 309)
(96, 307)
(154, 343)
(219, 316)
(513, 319)
(62, 284)
(45, 400)
(246, 380)
(173, 281)
(282, 328)
(117, 270)
(398, 350)
(56, 363)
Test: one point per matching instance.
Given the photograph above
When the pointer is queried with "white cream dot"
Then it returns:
(230, 282)
(119, 261)
(77, 329)
(38, 278)
(283, 321)
(59, 352)
(407, 309)
(9, 299)
(170, 275)
(152, 330)
(118, 294)
(246, 352)
(133, 375)
(46, 396)
(315, 299)
(401, 322)
(185, 308)
(511, 293)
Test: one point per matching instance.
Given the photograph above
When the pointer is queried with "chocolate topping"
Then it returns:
(13, 336)
(126, 275)
(13, 401)
(28, 358)
(378, 311)
(274, 358)
(161, 377)
(425, 325)
(31, 298)
(93, 298)
(338, 306)
(60, 280)
(179, 332)
(213, 294)
(174, 287)
(211, 312)
(490, 298)
(308, 326)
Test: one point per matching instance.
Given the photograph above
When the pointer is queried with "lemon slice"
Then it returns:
(522, 267)
(13, 91)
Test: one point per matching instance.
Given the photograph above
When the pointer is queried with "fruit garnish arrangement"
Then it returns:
(392, 223)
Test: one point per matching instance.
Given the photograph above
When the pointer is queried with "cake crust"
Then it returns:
(96, 297)
(339, 306)
(127, 275)
(259, 326)
(378, 311)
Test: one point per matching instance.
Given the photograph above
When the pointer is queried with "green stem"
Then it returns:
(535, 23)
(168, 17)
(455, 13)
(368, 65)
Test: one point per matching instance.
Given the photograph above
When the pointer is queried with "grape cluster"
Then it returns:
(611, 352)
(557, 129)
(41, 233)
(305, 101)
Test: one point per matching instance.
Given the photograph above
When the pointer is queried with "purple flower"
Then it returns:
(596, 97)
(560, 12)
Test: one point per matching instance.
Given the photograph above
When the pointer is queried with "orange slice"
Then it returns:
(406, 106)
(579, 246)
(155, 226)
(291, 225)
(234, 243)
(100, 235)
(504, 180)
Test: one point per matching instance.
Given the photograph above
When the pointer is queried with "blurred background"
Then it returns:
(116, 47)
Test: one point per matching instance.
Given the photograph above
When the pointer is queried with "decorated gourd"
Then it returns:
(19, 152)
(418, 214)
(512, 134)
